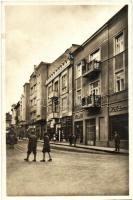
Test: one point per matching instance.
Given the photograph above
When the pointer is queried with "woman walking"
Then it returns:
(46, 148)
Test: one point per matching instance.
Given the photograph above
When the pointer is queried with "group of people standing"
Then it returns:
(32, 146)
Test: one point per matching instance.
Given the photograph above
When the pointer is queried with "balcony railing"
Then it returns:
(91, 68)
(53, 94)
(53, 115)
(92, 101)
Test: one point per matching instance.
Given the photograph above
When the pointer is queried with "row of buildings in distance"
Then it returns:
(84, 91)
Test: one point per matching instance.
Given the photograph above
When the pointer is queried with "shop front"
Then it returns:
(118, 121)
(78, 131)
(91, 131)
(66, 127)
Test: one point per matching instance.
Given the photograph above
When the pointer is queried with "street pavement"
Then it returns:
(70, 173)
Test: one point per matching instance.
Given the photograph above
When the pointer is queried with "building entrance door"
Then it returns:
(91, 131)
(78, 131)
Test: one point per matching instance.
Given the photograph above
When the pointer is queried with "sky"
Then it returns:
(35, 33)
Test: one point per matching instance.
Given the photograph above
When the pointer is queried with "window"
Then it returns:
(78, 98)
(49, 90)
(49, 108)
(35, 87)
(55, 106)
(78, 70)
(64, 81)
(119, 43)
(95, 55)
(78, 83)
(64, 103)
(94, 88)
(31, 90)
(119, 81)
(34, 101)
(56, 86)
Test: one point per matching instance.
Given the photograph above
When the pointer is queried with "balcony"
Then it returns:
(53, 94)
(53, 115)
(91, 69)
(92, 101)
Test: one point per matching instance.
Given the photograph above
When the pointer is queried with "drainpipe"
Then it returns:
(73, 96)
(108, 91)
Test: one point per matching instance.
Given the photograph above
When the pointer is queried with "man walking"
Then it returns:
(117, 141)
(32, 145)
(46, 148)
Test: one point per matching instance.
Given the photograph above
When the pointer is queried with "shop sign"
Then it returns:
(78, 115)
(118, 108)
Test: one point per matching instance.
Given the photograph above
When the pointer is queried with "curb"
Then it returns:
(84, 149)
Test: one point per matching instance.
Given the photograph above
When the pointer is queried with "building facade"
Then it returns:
(14, 115)
(38, 97)
(101, 84)
(59, 95)
(8, 120)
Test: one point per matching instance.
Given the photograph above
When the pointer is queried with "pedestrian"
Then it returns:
(32, 145)
(46, 147)
(70, 139)
(74, 139)
(117, 141)
(12, 138)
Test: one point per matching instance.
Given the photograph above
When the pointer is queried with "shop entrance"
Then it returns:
(78, 131)
(91, 132)
(119, 123)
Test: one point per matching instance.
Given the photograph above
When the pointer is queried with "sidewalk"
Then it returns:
(86, 148)
(83, 148)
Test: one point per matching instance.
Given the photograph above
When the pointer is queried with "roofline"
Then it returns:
(99, 30)
(65, 52)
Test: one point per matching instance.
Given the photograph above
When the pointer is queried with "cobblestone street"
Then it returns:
(70, 173)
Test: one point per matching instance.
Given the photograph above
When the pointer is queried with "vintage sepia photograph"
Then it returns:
(66, 102)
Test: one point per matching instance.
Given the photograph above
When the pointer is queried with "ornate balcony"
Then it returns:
(92, 101)
(53, 94)
(91, 69)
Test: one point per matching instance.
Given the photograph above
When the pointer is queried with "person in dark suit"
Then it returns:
(32, 145)
(117, 141)
(46, 147)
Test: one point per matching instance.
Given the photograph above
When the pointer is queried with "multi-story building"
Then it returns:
(14, 114)
(101, 84)
(25, 104)
(59, 95)
(8, 120)
(38, 97)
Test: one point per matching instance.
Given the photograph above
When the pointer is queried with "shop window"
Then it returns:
(119, 123)
(91, 131)
(119, 81)
(119, 43)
